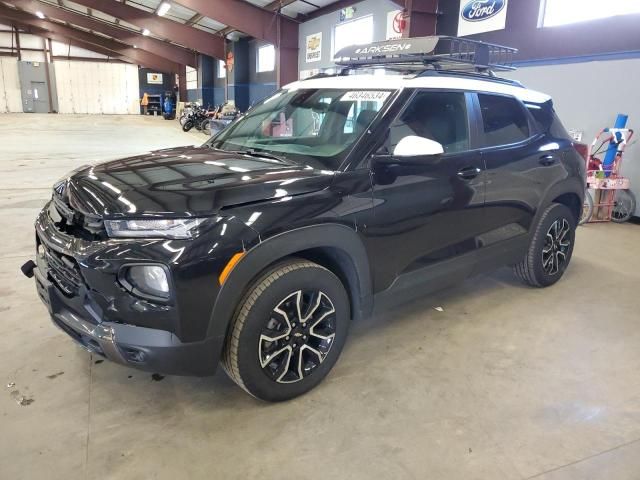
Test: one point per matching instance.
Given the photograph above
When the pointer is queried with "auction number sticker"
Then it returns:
(365, 96)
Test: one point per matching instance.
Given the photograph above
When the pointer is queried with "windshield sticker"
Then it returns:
(365, 96)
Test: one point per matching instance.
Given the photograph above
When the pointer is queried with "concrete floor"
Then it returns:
(507, 382)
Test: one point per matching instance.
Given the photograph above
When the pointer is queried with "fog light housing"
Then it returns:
(146, 281)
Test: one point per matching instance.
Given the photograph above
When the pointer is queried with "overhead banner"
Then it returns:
(396, 24)
(479, 16)
(314, 47)
(155, 78)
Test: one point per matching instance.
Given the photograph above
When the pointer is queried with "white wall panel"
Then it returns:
(10, 96)
(7, 39)
(97, 87)
(30, 56)
(60, 49)
(30, 41)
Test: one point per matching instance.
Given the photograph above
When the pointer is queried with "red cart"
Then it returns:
(611, 199)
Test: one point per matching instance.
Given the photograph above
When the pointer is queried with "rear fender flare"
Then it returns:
(569, 185)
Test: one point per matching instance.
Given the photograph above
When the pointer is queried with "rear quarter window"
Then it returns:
(504, 121)
(546, 119)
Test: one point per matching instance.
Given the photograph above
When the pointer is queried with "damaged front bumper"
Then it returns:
(94, 324)
(139, 347)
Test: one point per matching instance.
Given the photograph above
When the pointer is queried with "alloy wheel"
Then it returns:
(556, 246)
(298, 336)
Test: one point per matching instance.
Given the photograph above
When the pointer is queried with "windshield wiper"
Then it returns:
(259, 153)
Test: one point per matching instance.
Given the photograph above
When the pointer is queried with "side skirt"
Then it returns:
(450, 272)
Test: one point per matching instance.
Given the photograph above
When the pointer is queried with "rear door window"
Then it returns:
(504, 121)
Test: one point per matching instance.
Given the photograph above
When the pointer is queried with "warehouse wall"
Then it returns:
(589, 95)
(35, 71)
(10, 100)
(219, 85)
(205, 79)
(98, 88)
(606, 35)
(261, 84)
(326, 24)
(238, 77)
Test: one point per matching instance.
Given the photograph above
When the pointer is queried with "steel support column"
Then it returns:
(287, 55)
(422, 16)
(182, 83)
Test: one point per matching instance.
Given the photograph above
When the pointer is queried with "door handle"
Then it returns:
(547, 160)
(469, 173)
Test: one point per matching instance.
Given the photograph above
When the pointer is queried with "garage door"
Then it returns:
(97, 87)
(10, 97)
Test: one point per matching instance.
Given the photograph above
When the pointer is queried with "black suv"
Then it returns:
(259, 247)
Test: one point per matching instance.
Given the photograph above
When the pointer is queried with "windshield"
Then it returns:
(307, 126)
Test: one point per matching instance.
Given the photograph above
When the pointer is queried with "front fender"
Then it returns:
(258, 258)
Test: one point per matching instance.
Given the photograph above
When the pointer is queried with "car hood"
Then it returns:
(187, 181)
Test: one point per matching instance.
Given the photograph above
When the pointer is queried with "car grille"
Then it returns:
(64, 272)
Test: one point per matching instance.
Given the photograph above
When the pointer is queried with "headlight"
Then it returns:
(179, 228)
(149, 281)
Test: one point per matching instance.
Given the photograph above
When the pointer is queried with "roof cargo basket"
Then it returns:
(439, 52)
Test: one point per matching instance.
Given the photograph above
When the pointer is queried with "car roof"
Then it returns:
(397, 82)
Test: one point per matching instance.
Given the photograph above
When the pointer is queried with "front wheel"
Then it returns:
(288, 331)
(550, 248)
(188, 125)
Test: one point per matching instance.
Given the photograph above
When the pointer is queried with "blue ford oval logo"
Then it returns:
(477, 10)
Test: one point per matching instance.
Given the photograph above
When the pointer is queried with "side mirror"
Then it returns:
(414, 146)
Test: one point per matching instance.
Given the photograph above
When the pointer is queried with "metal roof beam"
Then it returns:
(272, 7)
(152, 45)
(62, 39)
(248, 18)
(190, 37)
(138, 56)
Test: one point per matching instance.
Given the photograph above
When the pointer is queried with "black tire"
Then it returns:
(587, 208)
(260, 347)
(188, 125)
(624, 206)
(205, 126)
(535, 268)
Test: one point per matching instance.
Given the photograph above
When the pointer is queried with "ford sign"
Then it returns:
(477, 10)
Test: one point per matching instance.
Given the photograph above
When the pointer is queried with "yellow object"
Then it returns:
(227, 269)
(145, 100)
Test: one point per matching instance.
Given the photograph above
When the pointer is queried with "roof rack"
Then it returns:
(439, 52)
(488, 76)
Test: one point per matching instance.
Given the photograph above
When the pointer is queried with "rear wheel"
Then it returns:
(288, 331)
(550, 249)
(587, 208)
(624, 206)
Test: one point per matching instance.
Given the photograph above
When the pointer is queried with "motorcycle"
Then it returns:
(221, 116)
(188, 108)
(195, 118)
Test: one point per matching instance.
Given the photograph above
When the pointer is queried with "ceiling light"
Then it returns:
(39, 14)
(135, 46)
(163, 8)
(146, 32)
